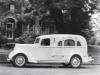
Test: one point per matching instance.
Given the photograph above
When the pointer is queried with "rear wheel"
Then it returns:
(19, 60)
(75, 62)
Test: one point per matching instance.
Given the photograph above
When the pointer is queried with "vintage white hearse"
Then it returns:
(66, 49)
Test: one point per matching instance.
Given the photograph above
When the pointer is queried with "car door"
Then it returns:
(44, 52)
(57, 55)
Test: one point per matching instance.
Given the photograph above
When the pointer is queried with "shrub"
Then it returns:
(3, 40)
(27, 37)
(92, 41)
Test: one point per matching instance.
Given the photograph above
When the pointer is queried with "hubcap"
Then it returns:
(75, 62)
(20, 60)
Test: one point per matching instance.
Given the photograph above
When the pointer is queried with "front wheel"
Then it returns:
(19, 60)
(75, 62)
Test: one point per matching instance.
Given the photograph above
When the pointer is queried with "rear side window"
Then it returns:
(78, 43)
(60, 43)
(45, 42)
(69, 42)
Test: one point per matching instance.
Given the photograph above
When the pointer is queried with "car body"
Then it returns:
(55, 48)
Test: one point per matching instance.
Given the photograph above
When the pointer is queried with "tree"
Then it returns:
(77, 9)
(55, 7)
(80, 16)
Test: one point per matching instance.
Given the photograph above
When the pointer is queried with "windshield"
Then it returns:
(37, 40)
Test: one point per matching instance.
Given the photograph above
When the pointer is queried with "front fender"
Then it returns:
(14, 53)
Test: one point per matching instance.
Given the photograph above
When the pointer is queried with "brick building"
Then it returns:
(11, 27)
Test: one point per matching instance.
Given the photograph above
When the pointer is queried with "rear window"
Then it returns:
(69, 42)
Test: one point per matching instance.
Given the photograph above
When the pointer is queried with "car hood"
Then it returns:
(26, 45)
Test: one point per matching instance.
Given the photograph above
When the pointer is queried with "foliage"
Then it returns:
(74, 20)
(78, 14)
(27, 37)
(3, 40)
(80, 17)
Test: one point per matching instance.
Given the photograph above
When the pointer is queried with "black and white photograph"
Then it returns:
(49, 37)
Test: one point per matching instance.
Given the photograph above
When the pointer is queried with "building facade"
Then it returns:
(12, 27)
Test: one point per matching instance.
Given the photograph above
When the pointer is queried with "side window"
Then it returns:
(60, 43)
(78, 43)
(66, 43)
(45, 42)
(69, 42)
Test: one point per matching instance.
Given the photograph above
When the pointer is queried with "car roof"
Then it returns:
(62, 35)
(69, 36)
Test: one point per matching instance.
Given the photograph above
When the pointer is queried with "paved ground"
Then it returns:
(8, 69)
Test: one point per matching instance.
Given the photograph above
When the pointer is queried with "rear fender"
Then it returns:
(69, 58)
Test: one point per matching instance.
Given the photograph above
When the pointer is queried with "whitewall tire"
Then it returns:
(75, 62)
(19, 60)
